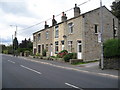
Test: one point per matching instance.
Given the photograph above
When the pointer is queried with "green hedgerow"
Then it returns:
(70, 56)
(112, 48)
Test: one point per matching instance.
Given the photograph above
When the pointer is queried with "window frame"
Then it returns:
(96, 28)
(47, 34)
(70, 27)
(56, 47)
(39, 36)
(56, 31)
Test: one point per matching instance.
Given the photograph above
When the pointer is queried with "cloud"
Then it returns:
(25, 13)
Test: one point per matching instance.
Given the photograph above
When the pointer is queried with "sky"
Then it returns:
(25, 13)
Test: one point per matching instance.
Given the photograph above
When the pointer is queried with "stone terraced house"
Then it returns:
(78, 34)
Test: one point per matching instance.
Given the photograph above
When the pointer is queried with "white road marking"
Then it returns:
(68, 68)
(31, 69)
(73, 86)
(108, 75)
(11, 61)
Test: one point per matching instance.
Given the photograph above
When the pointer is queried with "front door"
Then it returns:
(79, 50)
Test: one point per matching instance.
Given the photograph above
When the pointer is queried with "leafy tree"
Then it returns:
(25, 45)
(15, 44)
(3, 47)
(10, 49)
(116, 9)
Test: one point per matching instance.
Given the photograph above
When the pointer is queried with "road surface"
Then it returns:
(21, 73)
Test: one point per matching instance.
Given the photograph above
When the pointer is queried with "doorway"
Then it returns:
(79, 50)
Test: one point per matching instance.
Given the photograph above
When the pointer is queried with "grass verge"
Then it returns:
(85, 62)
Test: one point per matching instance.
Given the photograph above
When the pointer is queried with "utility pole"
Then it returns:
(14, 38)
(101, 35)
(16, 32)
(12, 45)
(16, 29)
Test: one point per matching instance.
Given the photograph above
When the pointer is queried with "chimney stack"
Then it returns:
(76, 11)
(54, 22)
(46, 26)
(64, 17)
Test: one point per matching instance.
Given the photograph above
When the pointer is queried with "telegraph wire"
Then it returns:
(55, 16)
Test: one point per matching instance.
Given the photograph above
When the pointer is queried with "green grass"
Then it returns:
(84, 62)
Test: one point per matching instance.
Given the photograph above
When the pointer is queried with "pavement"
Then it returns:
(88, 68)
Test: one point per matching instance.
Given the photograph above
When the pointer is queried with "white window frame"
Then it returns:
(47, 35)
(39, 36)
(56, 31)
(70, 28)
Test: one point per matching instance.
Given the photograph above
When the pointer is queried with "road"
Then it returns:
(20, 73)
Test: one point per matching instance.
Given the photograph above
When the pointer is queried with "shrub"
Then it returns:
(68, 57)
(74, 56)
(62, 53)
(37, 54)
(112, 48)
(5, 51)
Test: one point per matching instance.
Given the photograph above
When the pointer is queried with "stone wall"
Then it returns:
(112, 63)
(74, 61)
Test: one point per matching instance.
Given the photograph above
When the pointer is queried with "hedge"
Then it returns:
(112, 48)
(70, 56)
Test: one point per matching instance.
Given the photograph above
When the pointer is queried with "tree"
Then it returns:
(116, 9)
(15, 44)
(25, 45)
(2, 48)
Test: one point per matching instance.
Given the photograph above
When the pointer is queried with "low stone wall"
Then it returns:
(73, 61)
(58, 59)
(112, 63)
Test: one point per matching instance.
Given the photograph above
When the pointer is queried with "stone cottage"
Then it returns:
(78, 34)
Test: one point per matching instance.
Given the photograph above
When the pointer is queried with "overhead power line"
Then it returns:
(55, 16)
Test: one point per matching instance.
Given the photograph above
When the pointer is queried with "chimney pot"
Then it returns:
(46, 26)
(63, 13)
(53, 16)
(75, 5)
(45, 23)
(64, 17)
(54, 22)
(76, 11)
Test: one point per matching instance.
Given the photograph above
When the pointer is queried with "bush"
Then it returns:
(37, 54)
(74, 56)
(68, 57)
(5, 51)
(62, 53)
(112, 48)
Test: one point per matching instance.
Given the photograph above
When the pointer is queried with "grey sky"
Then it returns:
(25, 13)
